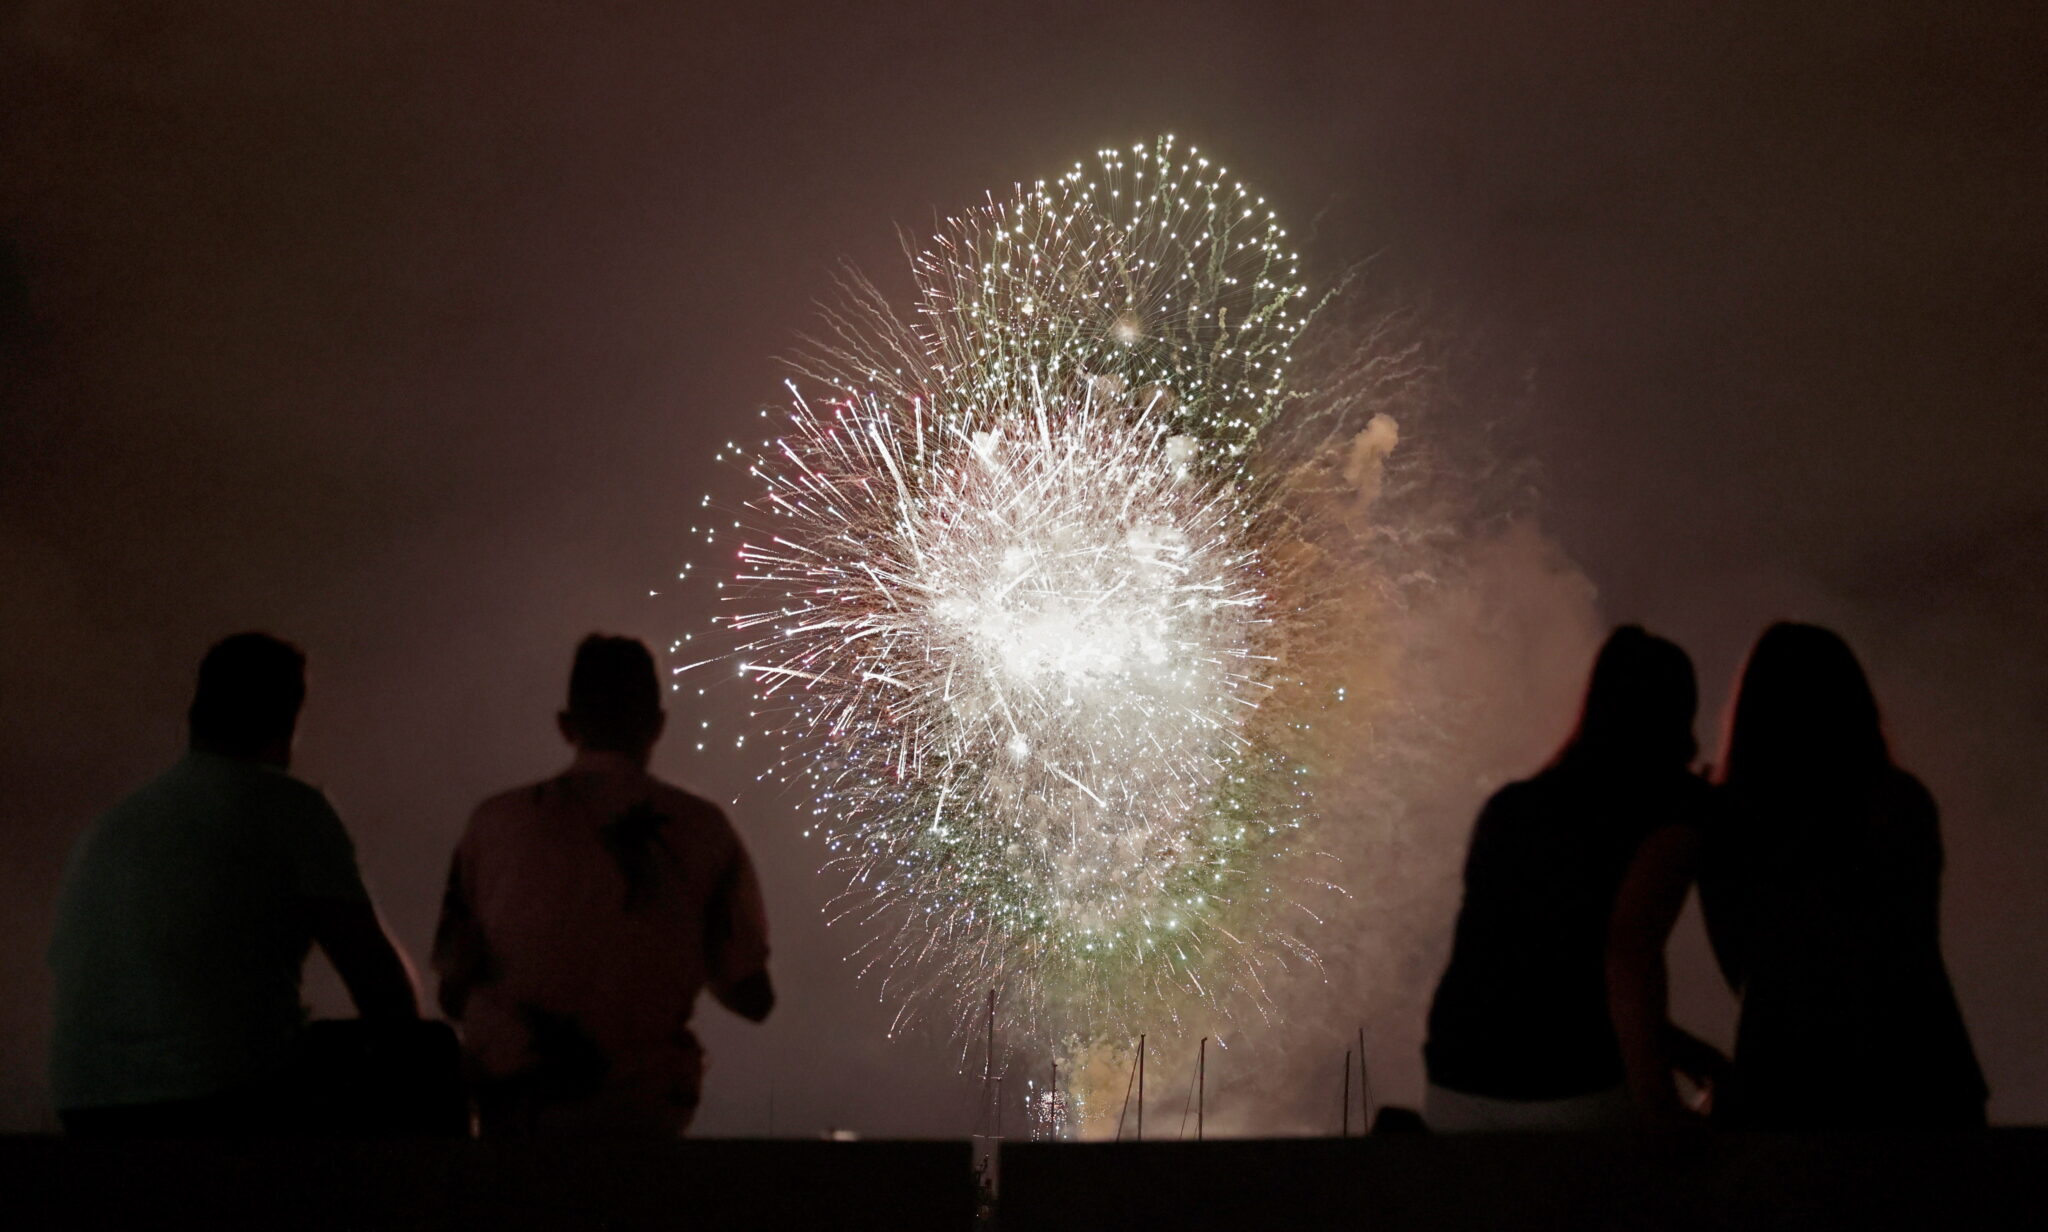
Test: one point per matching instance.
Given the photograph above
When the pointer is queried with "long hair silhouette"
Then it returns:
(1804, 716)
(1639, 705)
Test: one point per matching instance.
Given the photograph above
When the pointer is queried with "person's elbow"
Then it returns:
(375, 970)
(387, 989)
(752, 998)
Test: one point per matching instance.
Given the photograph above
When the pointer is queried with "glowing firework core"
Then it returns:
(1088, 614)
(1055, 618)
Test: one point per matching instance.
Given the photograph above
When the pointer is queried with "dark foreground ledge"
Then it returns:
(1567, 1183)
(1499, 1183)
(48, 1182)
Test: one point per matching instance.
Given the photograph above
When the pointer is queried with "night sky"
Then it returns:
(408, 330)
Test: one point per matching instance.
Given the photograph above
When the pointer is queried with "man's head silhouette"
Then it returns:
(247, 702)
(614, 698)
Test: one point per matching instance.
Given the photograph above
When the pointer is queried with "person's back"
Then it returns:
(1847, 1009)
(186, 915)
(1822, 898)
(1522, 1009)
(1521, 1034)
(584, 915)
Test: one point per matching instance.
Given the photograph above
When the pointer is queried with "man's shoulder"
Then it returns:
(693, 820)
(684, 803)
(1907, 789)
(279, 794)
(514, 801)
(539, 796)
(197, 781)
(288, 788)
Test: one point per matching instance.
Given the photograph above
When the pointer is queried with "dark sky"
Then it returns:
(407, 330)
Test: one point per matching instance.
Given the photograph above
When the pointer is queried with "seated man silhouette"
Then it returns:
(582, 917)
(185, 918)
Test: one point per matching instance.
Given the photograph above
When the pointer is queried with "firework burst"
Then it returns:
(1150, 271)
(1017, 600)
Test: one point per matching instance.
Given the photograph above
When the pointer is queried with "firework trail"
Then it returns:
(1030, 595)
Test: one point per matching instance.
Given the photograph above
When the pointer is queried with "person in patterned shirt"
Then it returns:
(582, 917)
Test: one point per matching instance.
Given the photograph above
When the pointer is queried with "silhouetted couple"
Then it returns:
(1818, 864)
(582, 916)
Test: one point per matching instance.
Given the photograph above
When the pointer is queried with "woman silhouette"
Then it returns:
(1821, 891)
(1520, 1033)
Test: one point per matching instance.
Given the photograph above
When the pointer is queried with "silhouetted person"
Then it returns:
(1822, 899)
(186, 915)
(1520, 1032)
(582, 917)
